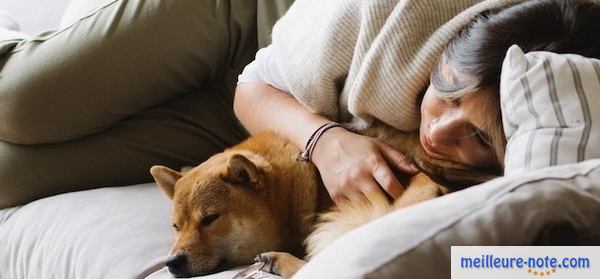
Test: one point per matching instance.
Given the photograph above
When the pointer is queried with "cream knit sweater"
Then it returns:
(362, 60)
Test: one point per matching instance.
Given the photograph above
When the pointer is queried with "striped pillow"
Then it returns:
(550, 109)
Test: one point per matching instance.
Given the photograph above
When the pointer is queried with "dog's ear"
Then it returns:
(241, 171)
(165, 179)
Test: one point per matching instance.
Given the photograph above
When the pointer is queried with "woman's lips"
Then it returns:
(426, 142)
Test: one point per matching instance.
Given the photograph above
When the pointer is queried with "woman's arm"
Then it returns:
(261, 107)
(350, 164)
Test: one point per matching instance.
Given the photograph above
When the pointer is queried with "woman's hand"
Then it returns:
(353, 165)
(350, 164)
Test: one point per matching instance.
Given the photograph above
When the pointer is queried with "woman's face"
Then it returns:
(458, 130)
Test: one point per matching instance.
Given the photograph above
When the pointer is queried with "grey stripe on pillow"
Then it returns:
(528, 98)
(506, 117)
(585, 109)
(557, 111)
(597, 69)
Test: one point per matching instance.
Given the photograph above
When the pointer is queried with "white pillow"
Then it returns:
(550, 109)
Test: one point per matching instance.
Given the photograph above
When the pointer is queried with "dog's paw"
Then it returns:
(282, 264)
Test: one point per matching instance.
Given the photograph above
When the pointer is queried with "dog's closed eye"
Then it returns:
(209, 219)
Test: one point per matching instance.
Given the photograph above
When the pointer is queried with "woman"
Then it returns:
(130, 85)
(460, 114)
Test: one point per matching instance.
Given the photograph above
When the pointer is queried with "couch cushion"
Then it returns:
(28, 13)
(104, 233)
(515, 210)
(6, 213)
(120, 232)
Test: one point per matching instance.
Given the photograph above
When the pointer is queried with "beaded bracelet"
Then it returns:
(312, 141)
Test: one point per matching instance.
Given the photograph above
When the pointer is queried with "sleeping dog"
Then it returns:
(257, 197)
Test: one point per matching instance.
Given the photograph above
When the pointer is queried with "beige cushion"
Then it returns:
(120, 232)
(105, 233)
(541, 207)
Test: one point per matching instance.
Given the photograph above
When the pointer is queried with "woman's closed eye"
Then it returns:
(482, 139)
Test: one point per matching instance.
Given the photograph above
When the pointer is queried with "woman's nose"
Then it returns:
(447, 130)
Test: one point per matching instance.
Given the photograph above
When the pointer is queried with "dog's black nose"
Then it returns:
(176, 264)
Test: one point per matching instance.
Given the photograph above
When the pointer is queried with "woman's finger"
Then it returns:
(387, 180)
(396, 159)
(355, 191)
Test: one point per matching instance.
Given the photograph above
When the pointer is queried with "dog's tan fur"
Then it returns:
(268, 201)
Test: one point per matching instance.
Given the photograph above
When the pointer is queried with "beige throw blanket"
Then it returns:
(363, 60)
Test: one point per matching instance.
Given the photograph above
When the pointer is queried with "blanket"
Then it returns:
(357, 61)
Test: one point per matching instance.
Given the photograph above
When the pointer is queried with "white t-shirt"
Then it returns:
(264, 68)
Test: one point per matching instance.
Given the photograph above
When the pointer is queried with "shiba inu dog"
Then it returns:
(256, 197)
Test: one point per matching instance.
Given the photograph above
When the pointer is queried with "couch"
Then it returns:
(125, 232)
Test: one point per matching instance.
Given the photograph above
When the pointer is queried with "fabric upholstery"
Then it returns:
(550, 108)
(516, 210)
(103, 233)
(117, 232)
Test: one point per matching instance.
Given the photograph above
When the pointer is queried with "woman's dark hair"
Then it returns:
(476, 54)
(560, 26)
